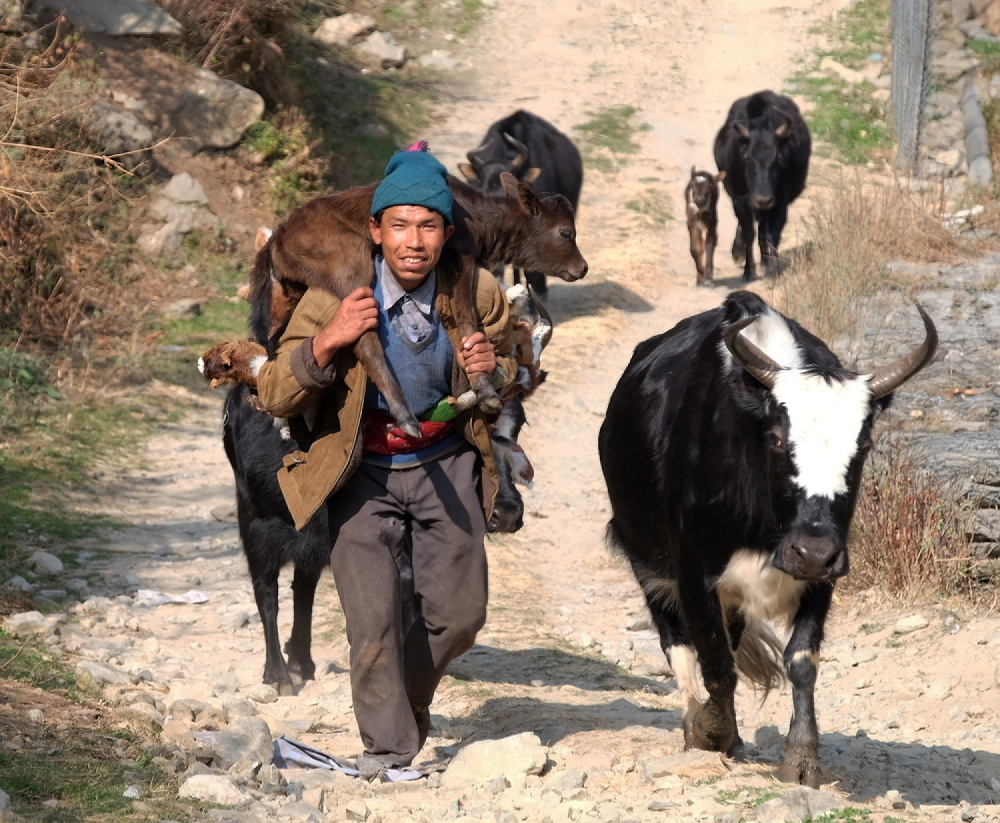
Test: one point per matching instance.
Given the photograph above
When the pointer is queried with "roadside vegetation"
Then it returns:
(850, 118)
(606, 139)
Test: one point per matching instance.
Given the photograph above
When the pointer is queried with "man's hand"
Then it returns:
(356, 314)
(477, 354)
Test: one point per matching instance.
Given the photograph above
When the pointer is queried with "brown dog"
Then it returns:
(701, 199)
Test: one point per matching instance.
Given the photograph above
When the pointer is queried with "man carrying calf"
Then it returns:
(389, 498)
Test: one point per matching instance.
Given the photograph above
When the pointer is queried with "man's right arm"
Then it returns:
(303, 366)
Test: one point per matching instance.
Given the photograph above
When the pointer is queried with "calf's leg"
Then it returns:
(800, 763)
(697, 248)
(711, 241)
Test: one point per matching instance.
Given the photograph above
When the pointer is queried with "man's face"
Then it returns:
(411, 238)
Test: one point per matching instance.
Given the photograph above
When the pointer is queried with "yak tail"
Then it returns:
(760, 657)
(261, 286)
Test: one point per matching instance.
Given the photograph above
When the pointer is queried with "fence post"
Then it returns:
(911, 28)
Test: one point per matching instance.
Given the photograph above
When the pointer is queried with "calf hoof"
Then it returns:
(705, 282)
(409, 425)
(804, 771)
(486, 396)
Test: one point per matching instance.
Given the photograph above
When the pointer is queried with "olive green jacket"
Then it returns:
(331, 400)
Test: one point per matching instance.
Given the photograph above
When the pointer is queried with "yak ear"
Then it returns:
(530, 204)
(693, 172)
(531, 175)
(720, 177)
(743, 130)
(782, 130)
(469, 171)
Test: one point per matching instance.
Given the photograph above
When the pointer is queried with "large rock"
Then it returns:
(344, 28)
(799, 804)
(210, 788)
(694, 765)
(247, 737)
(382, 49)
(27, 624)
(214, 113)
(510, 757)
(116, 17)
(93, 675)
(117, 131)
(45, 563)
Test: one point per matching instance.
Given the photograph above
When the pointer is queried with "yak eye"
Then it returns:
(566, 233)
(776, 441)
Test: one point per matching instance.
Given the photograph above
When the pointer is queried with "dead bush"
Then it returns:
(910, 527)
(853, 230)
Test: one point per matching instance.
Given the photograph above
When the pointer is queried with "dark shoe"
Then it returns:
(422, 714)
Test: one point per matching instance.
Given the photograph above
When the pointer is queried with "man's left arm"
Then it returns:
(493, 311)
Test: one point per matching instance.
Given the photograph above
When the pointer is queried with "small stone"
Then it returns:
(36, 716)
(132, 793)
(210, 788)
(45, 563)
(356, 810)
(19, 583)
(642, 623)
(914, 622)
(262, 693)
(186, 307)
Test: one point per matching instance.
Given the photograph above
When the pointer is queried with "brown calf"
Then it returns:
(701, 198)
(326, 243)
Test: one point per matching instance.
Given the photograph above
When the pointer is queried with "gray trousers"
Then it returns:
(382, 520)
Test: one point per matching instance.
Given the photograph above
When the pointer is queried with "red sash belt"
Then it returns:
(383, 436)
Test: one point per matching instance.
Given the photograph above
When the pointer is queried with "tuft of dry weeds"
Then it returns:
(854, 229)
(910, 528)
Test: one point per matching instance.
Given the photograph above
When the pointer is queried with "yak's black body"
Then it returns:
(550, 164)
(764, 148)
(722, 521)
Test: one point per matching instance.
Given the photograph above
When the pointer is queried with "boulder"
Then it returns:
(117, 131)
(45, 563)
(344, 28)
(26, 624)
(210, 788)
(437, 59)
(247, 737)
(383, 50)
(115, 17)
(215, 113)
(799, 804)
(511, 757)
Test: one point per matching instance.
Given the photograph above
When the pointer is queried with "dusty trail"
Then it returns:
(913, 714)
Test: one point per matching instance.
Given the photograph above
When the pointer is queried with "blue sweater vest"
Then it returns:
(423, 370)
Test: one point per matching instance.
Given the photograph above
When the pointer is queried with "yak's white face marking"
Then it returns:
(256, 363)
(752, 585)
(824, 420)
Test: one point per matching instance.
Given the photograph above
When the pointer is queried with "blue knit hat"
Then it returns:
(414, 178)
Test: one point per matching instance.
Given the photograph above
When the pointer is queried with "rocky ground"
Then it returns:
(565, 708)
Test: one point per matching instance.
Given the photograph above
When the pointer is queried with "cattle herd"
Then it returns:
(732, 447)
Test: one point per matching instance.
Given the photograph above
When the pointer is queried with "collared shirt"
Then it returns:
(415, 309)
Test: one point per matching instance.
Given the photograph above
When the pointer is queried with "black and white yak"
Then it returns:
(732, 449)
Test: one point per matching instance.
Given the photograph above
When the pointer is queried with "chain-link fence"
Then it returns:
(911, 36)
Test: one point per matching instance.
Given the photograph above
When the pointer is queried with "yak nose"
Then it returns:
(507, 518)
(762, 203)
(811, 556)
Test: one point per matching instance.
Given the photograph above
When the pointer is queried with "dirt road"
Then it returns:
(908, 721)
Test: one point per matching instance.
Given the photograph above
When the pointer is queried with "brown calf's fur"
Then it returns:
(327, 244)
(701, 198)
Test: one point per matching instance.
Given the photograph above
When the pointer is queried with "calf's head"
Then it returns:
(703, 187)
(548, 242)
(760, 149)
(818, 435)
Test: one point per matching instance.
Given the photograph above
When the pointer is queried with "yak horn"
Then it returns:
(750, 356)
(474, 155)
(889, 378)
(544, 313)
(520, 148)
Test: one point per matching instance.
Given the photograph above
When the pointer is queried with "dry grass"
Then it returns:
(910, 528)
(855, 228)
